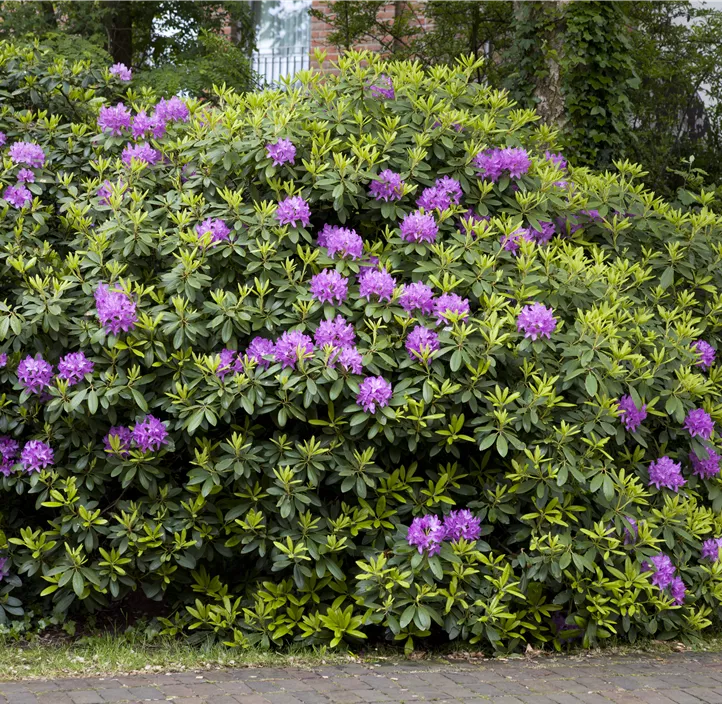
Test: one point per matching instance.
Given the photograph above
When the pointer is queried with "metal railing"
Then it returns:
(281, 62)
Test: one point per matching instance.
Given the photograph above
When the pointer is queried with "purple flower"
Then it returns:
(388, 186)
(292, 346)
(462, 524)
(494, 162)
(511, 242)
(114, 119)
(706, 354)
(663, 571)
(417, 227)
(710, 549)
(548, 230)
(73, 367)
(3, 359)
(36, 455)
(27, 153)
(4, 565)
(143, 153)
(632, 416)
(172, 110)
(665, 473)
(9, 449)
(341, 240)
(699, 422)
(116, 310)
(292, 209)
(228, 360)
(18, 196)
(417, 296)
(125, 437)
(536, 321)
(349, 358)
(260, 348)
(150, 434)
(630, 536)
(121, 71)
(144, 123)
(378, 283)
(282, 152)
(556, 159)
(448, 304)
(373, 392)
(35, 374)
(385, 89)
(3, 139)
(337, 333)
(426, 533)
(445, 193)
(677, 590)
(217, 229)
(421, 340)
(328, 286)
(106, 190)
(26, 176)
(706, 469)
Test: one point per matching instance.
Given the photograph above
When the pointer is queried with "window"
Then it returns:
(283, 38)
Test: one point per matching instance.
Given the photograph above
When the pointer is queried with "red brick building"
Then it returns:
(286, 34)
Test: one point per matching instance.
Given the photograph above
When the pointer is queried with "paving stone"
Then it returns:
(87, 696)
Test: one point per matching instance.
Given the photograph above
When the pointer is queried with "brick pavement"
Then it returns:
(681, 678)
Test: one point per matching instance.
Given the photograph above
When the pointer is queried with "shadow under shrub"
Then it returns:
(402, 375)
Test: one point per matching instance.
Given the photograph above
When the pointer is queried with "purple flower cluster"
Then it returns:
(706, 469)
(9, 449)
(385, 89)
(293, 346)
(706, 354)
(420, 341)
(329, 286)
(35, 374)
(114, 119)
(377, 283)
(217, 229)
(388, 186)
(173, 110)
(417, 296)
(26, 176)
(124, 436)
(282, 152)
(665, 473)
(4, 567)
(3, 359)
(426, 533)
(36, 455)
(418, 227)
(27, 153)
(73, 367)
(350, 359)
(664, 578)
(337, 333)
(150, 434)
(445, 193)
(259, 349)
(144, 124)
(106, 190)
(448, 304)
(18, 196)
(293, 209)
(493, 163)
(3, 139)
(536, 321)
(230, 361)
(143, 153)
(121, 71)
(630, 536)
(699, 423)
(374, 392)
(556, 159)
(632, 416)
(548, 230)
(711, 548)
(341, 240)
(511, 242)
(116, 310)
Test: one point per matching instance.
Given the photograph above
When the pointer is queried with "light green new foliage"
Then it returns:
(278, 509)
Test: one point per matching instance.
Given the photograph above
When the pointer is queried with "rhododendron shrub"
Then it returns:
(285, 377)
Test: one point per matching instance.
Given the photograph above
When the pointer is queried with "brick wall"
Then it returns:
(320, 30)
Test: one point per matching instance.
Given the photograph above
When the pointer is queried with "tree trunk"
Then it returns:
(549, 19)
(119, 30)
(48, 12)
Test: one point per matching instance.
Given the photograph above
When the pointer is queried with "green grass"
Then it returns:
(105, 654)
